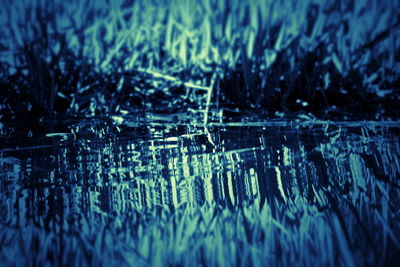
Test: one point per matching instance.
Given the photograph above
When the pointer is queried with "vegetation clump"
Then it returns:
(325, 57)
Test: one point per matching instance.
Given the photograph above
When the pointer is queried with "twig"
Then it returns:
(209, 95)
(209, 89)
(173, 79)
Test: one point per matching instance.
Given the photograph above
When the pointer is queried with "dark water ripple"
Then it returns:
(226, 165)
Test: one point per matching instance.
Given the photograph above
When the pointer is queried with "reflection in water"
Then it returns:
(163, 168)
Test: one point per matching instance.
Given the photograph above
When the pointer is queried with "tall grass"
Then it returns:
(267, 53)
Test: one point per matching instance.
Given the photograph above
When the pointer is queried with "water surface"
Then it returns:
(94, 172)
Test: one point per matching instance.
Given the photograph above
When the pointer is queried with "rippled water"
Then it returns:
(166, 167)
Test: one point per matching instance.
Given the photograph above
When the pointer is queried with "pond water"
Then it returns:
(156, 169)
